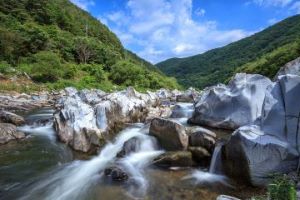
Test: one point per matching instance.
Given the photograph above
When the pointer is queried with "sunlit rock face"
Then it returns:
(271, 145)
(234, 105)
(84, 118)
(292, 67)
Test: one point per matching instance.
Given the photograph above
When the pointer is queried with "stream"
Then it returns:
(40, 167)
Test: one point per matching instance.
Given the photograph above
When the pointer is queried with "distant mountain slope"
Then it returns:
(59, 44)
(264, 53)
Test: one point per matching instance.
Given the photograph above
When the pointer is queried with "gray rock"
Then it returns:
(226, 197)
(272, 145)
(182, 110)
(8, 117)
(76, 125)
(91, 96)
(200, 138)
(116, 174)
(170, 135)
(200, 154)
(174, 159)
(292, 68)
(9, 132)
(232, 106)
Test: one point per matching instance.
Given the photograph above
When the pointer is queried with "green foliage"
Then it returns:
(282, 188)
(4, 67)
(57, 43)
(266, 52)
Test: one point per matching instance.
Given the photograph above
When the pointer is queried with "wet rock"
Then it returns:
(188, 96)
(226, 197)
(200, 154)
(270, 146)
(174, 159)
(170, 135)
(231, 106)
(9, 132)
(130, 146)
(182, 110)
(8, 117)
(116, 174)
(201, 137)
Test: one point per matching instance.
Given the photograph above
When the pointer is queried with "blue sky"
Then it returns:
(160, 29)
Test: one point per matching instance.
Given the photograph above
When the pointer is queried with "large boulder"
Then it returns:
(292, 68)
(272, 145)
(8, 117)
(170, 134)
(232, 106)
(76, 124)
(9, 132)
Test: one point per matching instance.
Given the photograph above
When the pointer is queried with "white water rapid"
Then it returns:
(74, 180)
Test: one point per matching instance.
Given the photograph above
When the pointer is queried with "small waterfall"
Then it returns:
(214, 175)
(76, 179)
(182, 112)
(216, 163)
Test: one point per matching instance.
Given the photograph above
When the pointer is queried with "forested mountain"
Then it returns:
(58, 44)
(262, 53)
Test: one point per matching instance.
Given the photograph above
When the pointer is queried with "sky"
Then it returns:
(158, 30)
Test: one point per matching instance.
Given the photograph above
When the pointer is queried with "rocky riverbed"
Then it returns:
(149, 143)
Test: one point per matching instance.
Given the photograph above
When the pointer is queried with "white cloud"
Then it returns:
(273, 21)
(160, 29)
(296, 7)
(276, 3)
(84, 4)
(200, 12)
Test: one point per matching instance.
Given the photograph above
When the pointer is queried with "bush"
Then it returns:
(282, 188)
(47, 67)
(4, 67)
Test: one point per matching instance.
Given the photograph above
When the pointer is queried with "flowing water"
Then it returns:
(40, 167)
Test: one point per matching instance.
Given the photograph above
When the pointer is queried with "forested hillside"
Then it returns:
(57, 44)
(264, 53)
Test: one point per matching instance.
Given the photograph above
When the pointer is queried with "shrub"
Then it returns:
(282, 188)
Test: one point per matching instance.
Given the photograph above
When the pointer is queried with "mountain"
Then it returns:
(58, 44)
(264, 53)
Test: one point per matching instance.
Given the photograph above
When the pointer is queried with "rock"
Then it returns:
(193, 129)
(8, 117)
(9, 132)
(130, 146)
(182, 110)
(226, 197)
(76, 125)
(202, 138)
(200, 154)
(272, 144)
(170, 135)
(231, 106)
(174, 159)
(292, 67)
(91, 96)
(116, 174)
(83, 120)
(188, 96)
(159, 111)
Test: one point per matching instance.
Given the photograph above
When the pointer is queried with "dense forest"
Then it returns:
(58, 44)
(264, 53)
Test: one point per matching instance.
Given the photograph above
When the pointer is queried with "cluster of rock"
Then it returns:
(87, 117)
(185, 146)
(26, 102)
(8, 127)
(267, 118)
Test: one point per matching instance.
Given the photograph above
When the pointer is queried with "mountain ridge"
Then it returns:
(218, 65)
